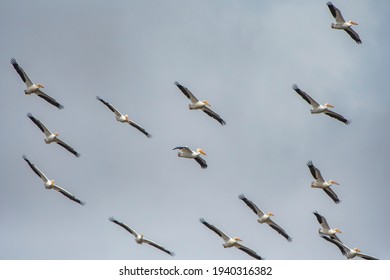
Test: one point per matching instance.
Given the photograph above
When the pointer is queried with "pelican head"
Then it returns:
(328, 105)
(337, 230)
(127, 118)
(56, 134)
(352, 22)
(201, 151)
(237, 238)
(40, 86)
(357, 250)
(206, 102)
(270, 214)
(52, 183)
(333, 182)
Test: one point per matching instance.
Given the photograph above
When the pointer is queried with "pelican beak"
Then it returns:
(52, 183)
(238, 239)
(329, 106)
(202, 152)
(207, 103)
(40, 86)
(271, 214)
(337, 230)
(357, 250)
(56, 134)
(334, 182)
(353, 23)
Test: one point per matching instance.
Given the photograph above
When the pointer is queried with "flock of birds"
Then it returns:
(326, 232)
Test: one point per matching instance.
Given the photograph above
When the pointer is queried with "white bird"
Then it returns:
(265, 218)
(139, 238)
(326, 229)
(186, 152)
(124, 118)
(341, 24)
(348, 252)
(317, 108)
(231, 242)
(321, 183)
(197, 104)
(49, 184)
(34, 88)
(52, 137)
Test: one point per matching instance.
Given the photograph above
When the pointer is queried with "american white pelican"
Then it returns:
(124, 118)
(348, 252)
(34, 88)
(231, 242)
(326, 229)
(197, 104)
(317, 108)
(49, 184)
(342, 24)
(139, 238)
(52, 137)
(321, 183)
(264, 218)
(188, 153)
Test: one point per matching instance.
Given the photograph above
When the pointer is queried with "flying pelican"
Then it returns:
(52, 137)
(139, 238)
(342, 24)
(264, 218)
(197, 104)
(230, 242)
(187, 153)
(348, 252)
(49, 184)
(317, 108)
(34, 88)
(124, 118)
(321, 183)
(331, 232)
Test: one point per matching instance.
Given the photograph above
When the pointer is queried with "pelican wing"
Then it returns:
(158, 246)
(336, 116)
(40, 125)
(49, 99)
(216, 230)
(305, 96)
(250, 252)
(21, 73)
(353, 35)
(187, 93)
(281, 231)
(335, 13)
(183, 149)
(344, 249)
(36, 170)
(112, 108)
(322, 220)
(201, 162)
(66, 146)
(367, 257)
(251, 205)
(332, 194)
(140, 128)
(67, 194)
(126, 227)
(214, 115)
(315, 171)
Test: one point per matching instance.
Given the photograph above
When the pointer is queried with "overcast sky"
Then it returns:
(241, 56)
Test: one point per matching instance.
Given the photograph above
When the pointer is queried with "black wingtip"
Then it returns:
(13, 61)
(112, 219)
(295, 87)
(241, 196)
(309, 163)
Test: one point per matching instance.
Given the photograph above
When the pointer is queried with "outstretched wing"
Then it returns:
(112, 108)
(251, 205)
(336, 116)
(140, 128)
(187, 93)
(215, 229)
(305, 96)
(40, 125)
(353, 35)
(279, 229)
(332, 194)
(367, 257)
(214, 115)
(201, 162)
(321, 220)
(21, 73)
(68, 194)
(126, 227)
(250, 252)
(36, 170)
(315, 171)
(49, 99)
(335, 13)
(158, 246)
(66, 146)
(339, 245)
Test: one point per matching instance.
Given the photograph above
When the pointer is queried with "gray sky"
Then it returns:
(243, 57)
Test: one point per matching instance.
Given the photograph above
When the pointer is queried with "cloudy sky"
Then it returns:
(243, 57)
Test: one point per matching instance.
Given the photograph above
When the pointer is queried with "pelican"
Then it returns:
(326, 229)
(52, 137)
(124, 118)
(188, 153)
(139, 238)
(321, 183)
(342, 24)
(34, 88)
(231, 242)
(317, 108)
(348, 252)
(197, 104)
(49, 184)
(264, 218)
